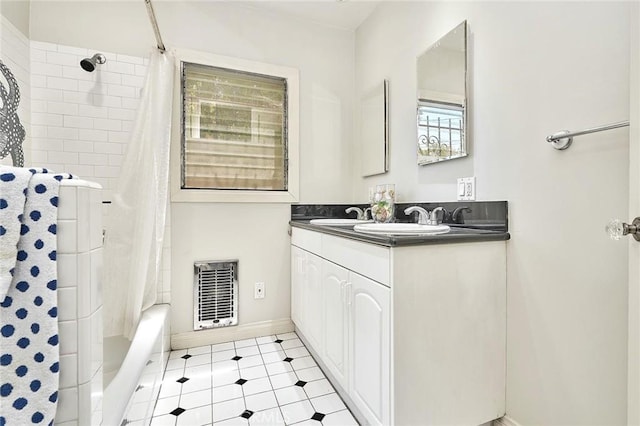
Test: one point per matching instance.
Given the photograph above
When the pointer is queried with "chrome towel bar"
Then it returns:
(562, 139)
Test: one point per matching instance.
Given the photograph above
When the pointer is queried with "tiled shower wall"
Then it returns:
(82, 121)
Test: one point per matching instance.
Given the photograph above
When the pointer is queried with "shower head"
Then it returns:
(89, 64)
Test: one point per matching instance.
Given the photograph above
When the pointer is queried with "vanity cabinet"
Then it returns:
(410, 334)
(354, 345)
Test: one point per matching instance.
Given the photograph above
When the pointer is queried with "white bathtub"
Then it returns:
(132, 386)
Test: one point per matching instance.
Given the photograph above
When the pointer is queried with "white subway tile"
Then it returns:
(67, 304)
(38, 132)
(107, 101)
(107, 171)
(39, 81)
(119, 137)
(38, 55)
(108, 148)
(141, 70)
(68, 371)
(45, 69)
(61, 58)
(39, 106)
(93, 135)
(84, 221)
(63, 157)
(130, 59)
(84, 404)
(121, 67)
(39, 157)
(93, 111)
(66, 108)
(107, 124)
(67, 236)
(130, 103)
(78, 122)
(81, 170)
(96, 279)
(93, 87)
(73, 50)
(51, 47)
(62, 83)
(78, 98)
(67, 270)
(94, 159)
(122, 114)
(67, 405)
(122, 91)
(76, 73)
(46, 94)
(46, 119)
(68, 337)
(127, 126)
(67, 201)
(78, 146)
(115, 160)
(62, 133)
(84, 350)
(106, 77)
(132, 80)
(84, 285)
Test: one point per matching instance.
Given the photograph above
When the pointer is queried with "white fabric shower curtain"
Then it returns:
(135, 221)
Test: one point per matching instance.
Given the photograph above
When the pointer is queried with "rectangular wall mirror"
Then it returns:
(442, 98)
(374, 130)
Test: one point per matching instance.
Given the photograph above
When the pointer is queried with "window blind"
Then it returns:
(234, 129)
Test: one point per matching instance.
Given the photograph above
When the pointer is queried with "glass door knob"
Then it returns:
(617, 229)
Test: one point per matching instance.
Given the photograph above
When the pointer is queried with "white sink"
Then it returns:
(338, 222)
(405, 229)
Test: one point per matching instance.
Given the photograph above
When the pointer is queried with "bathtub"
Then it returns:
(133, 370)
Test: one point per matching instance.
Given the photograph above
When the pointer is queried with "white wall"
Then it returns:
(253, 233)
(536, 68)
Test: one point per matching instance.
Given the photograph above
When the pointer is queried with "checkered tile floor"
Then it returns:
(270, 380)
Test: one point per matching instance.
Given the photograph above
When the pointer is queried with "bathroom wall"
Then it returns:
(256, 234)
(536, 68)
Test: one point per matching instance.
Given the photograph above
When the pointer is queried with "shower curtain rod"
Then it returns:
(154, 24)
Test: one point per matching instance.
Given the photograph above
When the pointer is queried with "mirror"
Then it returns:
(374, 130)
(442, 98)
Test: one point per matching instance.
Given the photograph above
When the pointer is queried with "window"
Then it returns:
(238, 131)
(440, 129)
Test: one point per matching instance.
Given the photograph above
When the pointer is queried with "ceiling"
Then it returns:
(346, 14)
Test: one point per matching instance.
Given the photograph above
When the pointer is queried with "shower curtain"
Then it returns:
(135, 221)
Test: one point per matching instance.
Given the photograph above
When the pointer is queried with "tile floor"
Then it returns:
(270, 380)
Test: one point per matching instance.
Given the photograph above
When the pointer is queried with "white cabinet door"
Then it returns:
(336, 333)
(313, 306)
(369, 348)
(298, 257)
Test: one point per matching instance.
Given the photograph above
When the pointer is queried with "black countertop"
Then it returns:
(457, 234)
(485, 221)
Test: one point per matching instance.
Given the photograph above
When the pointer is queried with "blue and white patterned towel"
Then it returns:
(29, 350)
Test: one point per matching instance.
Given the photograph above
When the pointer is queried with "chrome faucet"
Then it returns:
(423, 215)
(358, 210)
(433, 216)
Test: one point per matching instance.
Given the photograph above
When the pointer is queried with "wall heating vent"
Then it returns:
(215, 294)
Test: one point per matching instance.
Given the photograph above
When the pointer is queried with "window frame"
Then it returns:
(291, 194)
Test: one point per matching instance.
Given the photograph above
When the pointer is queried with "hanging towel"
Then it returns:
(29, 350)
(13, 188)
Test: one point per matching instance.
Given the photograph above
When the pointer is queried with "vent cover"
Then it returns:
(215, 294)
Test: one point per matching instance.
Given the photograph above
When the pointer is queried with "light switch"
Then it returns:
(466, 188)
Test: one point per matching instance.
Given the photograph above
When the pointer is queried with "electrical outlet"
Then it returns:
(466, 189)
(258, 291)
